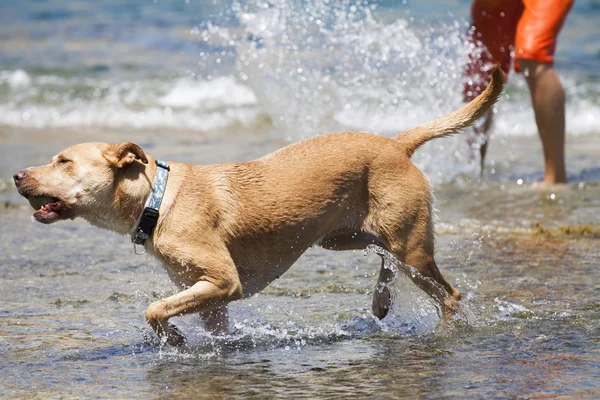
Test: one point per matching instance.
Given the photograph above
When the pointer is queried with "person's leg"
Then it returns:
(535, 43)
(492, 37)
(548, 100)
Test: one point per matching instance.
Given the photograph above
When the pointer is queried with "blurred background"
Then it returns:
(278, 70)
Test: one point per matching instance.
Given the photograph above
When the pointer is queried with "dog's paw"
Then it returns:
(175, 337)
(382, 302)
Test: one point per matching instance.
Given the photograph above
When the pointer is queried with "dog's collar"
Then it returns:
(149, 217)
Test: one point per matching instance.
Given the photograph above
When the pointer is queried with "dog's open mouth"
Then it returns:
(48, 208)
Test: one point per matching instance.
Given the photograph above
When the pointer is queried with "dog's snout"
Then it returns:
(19, 176)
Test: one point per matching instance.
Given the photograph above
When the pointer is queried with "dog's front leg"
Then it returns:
(202, 297)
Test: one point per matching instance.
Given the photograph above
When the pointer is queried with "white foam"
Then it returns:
(110, 117)
(183, 103)
(387, 90)
(15, 79)
(214, 94)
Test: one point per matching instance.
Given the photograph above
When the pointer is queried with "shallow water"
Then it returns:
(74, 300)
(525, 257)
(72, 325)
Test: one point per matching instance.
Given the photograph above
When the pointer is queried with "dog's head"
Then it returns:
(84, 180)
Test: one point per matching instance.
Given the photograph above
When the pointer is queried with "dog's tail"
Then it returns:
(453, 122)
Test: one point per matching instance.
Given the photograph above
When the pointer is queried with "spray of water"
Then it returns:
(319, 66)
(419, 310)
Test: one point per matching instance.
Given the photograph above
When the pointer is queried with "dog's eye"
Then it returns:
(64, 161)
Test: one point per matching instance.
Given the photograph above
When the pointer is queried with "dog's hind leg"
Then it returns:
(428, 278)
(431, 281)
(405, 223)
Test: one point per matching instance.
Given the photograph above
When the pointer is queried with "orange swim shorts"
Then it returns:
(507, 29)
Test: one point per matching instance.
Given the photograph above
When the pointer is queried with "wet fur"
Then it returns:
(227, 230)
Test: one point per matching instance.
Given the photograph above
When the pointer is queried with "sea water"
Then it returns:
(208, 82)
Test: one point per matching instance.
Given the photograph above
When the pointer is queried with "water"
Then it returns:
(205, 82)
(198, 66)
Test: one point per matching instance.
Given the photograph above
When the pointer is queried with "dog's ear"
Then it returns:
(121, 154)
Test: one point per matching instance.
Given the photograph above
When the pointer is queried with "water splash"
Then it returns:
(319, 66)
(262, 324)
(508, 311)
(249, 334)
(421, 308)
(338, 65)
(303, 67)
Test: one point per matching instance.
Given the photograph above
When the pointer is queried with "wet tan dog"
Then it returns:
(226, 231)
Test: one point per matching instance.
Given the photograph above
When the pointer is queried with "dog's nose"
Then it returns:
(19, 176)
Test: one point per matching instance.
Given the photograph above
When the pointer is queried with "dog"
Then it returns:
(225, 231)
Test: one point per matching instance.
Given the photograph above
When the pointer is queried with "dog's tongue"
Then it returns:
(47, 213)
(47, 208)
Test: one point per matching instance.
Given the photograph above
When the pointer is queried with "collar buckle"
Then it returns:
(147, 223)
(139, 253)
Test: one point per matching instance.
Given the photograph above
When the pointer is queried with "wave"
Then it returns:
(181, 104)
(302, 67)
(184, 103)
